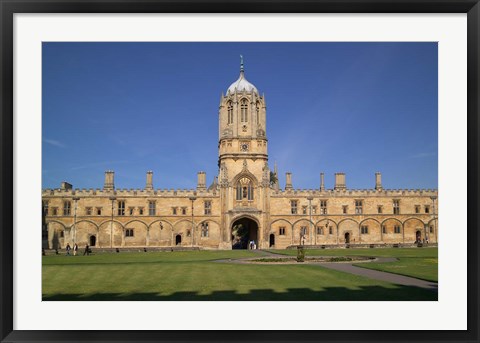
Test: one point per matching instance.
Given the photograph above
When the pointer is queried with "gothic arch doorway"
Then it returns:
(93, 240)
(272, 240)
(418, 236)
(178, 239)
(347, 237)
(244, 230)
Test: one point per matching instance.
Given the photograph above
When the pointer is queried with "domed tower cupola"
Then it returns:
(242, 85)
(242, 123)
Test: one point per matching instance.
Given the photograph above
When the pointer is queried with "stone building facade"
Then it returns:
(244, 202)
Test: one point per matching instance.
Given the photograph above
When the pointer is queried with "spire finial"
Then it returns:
(241, 64)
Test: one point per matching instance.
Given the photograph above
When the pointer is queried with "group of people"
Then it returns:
(252, 245)
(75, 249)
(424, 240)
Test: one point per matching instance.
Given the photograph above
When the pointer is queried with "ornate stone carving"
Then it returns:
(227, 132)
(266, 175)
(244, 146)
(223, 175)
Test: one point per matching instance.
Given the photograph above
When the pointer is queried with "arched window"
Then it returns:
(239, 191)
(245, 189)
(250, 191)
(205, 230)
(258, 113)
(244, 110)
(230, 112)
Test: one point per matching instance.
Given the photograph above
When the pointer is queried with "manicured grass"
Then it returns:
(421, 268)
(195, 276)
(148, 257)
(420, 263)
(380, 252)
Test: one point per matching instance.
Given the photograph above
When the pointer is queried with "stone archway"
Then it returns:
(418, 236)
(244, 230)
(272, 240)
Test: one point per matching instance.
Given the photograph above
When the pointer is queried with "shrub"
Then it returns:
(300, 254)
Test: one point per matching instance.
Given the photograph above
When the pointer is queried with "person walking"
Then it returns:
(86, 250)
(68, 249)
(75, 249)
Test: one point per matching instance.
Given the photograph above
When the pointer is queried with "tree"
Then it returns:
(273, 178)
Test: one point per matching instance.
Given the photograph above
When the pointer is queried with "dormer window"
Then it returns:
(230, 112)
(244, 110)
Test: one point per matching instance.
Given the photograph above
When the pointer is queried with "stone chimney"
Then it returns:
(288, 183)
(322, 181)
(201, 181)
(378, 181)
(340, 181)
(109, 184)
(149, 184)
(65, 186)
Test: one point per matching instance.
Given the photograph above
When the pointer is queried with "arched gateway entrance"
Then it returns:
(244, 230)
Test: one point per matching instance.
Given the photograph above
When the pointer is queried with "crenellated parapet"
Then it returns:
(340, 189)
(354, 192)
(58, 192)
(83, 192)
(66, 189)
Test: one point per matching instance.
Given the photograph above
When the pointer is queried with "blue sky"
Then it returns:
(356, 108)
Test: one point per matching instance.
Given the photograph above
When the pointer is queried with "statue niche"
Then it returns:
(245, 190)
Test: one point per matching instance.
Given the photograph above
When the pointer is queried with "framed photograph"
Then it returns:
(240, 171)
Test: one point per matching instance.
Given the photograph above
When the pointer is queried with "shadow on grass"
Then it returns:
(433, 281)
(367, 293)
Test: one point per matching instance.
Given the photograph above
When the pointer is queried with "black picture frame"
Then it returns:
(10, 7)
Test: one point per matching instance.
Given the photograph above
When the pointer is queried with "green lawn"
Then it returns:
(420, 263)
(421, 268)
(195, 276)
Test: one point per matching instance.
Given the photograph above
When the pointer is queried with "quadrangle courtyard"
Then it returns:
(225, 276)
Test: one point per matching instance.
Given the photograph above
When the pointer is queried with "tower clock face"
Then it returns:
(244, 146)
